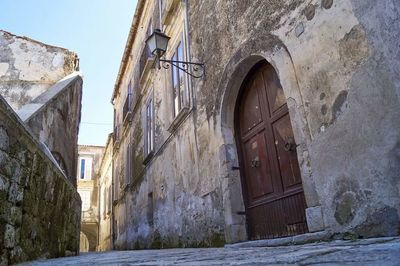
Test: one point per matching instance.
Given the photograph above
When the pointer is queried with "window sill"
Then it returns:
(85, 180)
(183, 113)
(148, 158)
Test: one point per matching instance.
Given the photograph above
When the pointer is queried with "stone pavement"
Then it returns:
(377, 251)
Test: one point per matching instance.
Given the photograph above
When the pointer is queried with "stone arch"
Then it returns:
(83, 243)
(271, 49)
(90, 230)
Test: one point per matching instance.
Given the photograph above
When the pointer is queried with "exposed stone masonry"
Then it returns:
(39, 207)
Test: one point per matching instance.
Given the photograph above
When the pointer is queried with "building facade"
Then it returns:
(89, 159)
(105, 198)
(293, 129)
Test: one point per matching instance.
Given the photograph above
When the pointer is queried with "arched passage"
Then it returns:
(91, 232)
(83, 243)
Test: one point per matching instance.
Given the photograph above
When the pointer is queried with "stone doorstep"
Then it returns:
(285, 241)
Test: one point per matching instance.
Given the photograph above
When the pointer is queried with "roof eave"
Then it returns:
(128, 46)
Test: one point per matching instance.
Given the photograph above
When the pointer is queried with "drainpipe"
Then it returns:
(188, 49)
(112, 229)
(98, 210)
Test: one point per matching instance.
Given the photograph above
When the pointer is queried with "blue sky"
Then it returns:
(95, 29)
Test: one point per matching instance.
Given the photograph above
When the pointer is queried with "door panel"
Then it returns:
(286, 152)
(279, 218)
(258, 168)
(275, 95)
(252, 115)
(275, 203)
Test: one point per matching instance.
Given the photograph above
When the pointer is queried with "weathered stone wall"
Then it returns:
(105, 199)
(39, 208)
(174, 200)
(56, 124)
(337, 62)
(28, 68)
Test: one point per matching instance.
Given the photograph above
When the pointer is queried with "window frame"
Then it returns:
(128, 165)
(87, 168)
(149, 128)
(130, 94)
(180, 48)
(82, 167)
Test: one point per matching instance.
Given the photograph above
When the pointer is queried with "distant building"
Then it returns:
(294, 128)
(89, 159)
(105, 198)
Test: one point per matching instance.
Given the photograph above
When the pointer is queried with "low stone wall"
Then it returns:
(39, 208)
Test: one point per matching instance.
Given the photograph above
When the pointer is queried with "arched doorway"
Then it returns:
(271, 181)
(83, 243)
(90, 230)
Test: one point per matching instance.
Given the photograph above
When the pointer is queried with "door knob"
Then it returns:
(289, 145)
(255, 162)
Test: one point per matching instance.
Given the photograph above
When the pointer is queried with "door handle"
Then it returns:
(289, 145)
(255, 162)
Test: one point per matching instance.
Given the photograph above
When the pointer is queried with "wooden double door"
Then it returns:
(272, 187)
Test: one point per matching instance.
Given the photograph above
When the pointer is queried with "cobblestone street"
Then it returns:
(378, 251)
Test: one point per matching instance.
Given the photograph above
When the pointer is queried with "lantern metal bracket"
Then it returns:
(195, 70)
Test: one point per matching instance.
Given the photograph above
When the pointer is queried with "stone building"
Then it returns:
(40, 108)
(105, 198)
(89, 159)
(294, 128)
(40, 83)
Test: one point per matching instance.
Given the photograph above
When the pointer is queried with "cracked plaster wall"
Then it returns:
(28, 68)
(344, 107)
(338, 68)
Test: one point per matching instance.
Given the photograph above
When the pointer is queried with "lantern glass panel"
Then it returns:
(161, 42)
(151, 43)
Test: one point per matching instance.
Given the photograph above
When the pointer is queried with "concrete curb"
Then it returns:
(285, 241)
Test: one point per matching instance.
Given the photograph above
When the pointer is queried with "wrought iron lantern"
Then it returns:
(157, 43)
